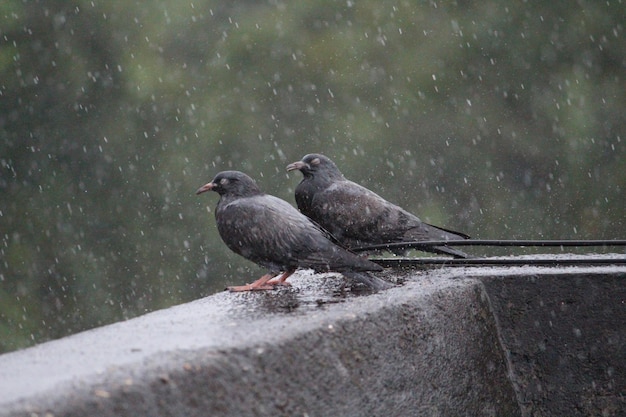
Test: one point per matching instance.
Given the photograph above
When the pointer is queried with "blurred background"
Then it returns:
(501, 119)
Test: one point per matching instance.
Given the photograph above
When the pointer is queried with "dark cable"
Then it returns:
(398, 262)
(481, 242)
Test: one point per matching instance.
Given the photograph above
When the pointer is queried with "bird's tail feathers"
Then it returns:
(372, 282)
(448, 234)
(444, 250)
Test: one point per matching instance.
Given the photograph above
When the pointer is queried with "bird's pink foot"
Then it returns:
(250, 287)
(266, 282)
(281, 280)
(259, 284)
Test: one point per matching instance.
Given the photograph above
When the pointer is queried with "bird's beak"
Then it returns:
(296, 165)
(206, 187)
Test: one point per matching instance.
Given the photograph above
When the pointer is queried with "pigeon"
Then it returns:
(272, 233)
(356, 216)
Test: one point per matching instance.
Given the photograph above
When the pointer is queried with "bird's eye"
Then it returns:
(316, 161)
(224, 181)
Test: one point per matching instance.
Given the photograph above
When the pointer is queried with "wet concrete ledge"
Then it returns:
(452, 342)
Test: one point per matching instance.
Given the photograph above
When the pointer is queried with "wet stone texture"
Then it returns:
(428, 347)
(451, 342)
(565, 336)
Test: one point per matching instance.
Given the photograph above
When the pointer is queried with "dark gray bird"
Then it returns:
(356, 216)
(272, 233)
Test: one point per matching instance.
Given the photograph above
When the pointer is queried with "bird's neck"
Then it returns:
(323, 181)
(238, 194)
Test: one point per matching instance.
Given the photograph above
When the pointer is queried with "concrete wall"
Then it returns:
(565, 336)
(476, 342)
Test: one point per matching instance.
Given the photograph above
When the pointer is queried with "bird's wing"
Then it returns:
(351, 211)
(271, 232)
(358, 215)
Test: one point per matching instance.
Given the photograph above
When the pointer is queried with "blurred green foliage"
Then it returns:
(502, 119)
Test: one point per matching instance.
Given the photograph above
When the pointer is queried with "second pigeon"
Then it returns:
(357, 216)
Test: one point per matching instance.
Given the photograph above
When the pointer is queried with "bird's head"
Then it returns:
(233, 183)
(314, 163)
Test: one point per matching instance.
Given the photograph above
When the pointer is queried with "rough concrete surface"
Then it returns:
(450, 342)
(427, 348)
(565, 336)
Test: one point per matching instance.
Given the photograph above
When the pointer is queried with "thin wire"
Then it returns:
(481, 242)
(395, 262)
